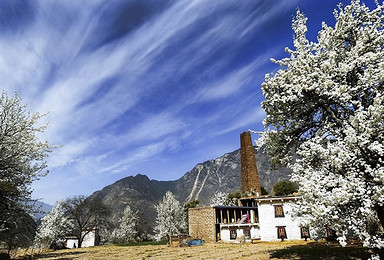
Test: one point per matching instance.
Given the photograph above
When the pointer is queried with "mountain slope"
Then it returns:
(224, 174)
(139, 192)
(202, 182)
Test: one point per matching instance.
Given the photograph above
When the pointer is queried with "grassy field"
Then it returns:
(262, 250)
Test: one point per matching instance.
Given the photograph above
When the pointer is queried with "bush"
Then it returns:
(283, 188)
(263, 191)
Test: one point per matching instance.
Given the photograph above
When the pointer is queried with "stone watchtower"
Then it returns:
(249, 175)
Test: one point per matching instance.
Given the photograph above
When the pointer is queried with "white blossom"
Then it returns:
(128, 227)
(171, 217)
(219, 198)
(327, 104)
(53, 228)
(22, 161)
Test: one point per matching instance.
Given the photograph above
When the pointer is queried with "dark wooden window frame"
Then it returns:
(247, 233)
(232, 233)
(281, 232)
(279, 211)
(304, 231)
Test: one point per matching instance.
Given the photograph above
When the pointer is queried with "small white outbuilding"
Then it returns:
(92, 238)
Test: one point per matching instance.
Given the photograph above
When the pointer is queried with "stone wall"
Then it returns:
(202, 223)
(249, 175)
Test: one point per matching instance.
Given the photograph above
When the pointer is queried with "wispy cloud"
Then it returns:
(138, 155)
(126, 81)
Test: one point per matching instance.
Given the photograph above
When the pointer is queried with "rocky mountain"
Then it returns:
(139, 192)
(224, 174)
(40, 209)
(202, 182)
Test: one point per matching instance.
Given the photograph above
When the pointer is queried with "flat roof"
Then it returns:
(233, 207)
(223, 207)
(274, 198)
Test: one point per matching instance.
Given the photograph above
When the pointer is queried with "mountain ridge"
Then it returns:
(202, 182)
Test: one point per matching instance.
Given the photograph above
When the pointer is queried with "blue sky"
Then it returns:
(151, 87)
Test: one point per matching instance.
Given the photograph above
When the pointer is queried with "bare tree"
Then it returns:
(85, 214)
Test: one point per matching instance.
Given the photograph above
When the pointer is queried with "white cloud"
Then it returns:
(155, 127)
(135, 156)
(228, 85)
(248, 120)
(56, 73)
(68, 153)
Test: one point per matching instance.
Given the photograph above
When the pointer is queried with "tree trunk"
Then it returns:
(5, 256)
(80, 241)
(9, 247)
(169, 238)
(381, 253)
(380, 214)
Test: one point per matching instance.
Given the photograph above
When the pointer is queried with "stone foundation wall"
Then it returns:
(202, 223)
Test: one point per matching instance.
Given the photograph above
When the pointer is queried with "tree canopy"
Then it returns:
(326, 103)
(283, 188)
(263, 191)
(219, 198)
(76, 216)
(53, 228)
(22, 161)
(192, 204)
(171, 217)
(84, 214)
(128, 227)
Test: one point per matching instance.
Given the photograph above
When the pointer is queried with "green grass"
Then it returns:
(146, 243)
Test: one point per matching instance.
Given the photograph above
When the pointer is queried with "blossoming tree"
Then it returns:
(22, 161)
(128, 228)
(219, 198)
(171, 217)
(53, 228)
(327, 104)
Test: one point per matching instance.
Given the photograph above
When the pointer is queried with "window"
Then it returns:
(305, 233)
(232, 234)
(331, 234)
(279, 212)
(281, 233)
(247, 233)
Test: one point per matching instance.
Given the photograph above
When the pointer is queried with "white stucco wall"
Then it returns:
(266, 228)
(71, 243)
(268, 222)
(225, 233)
(89, 239)
(255, 233)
